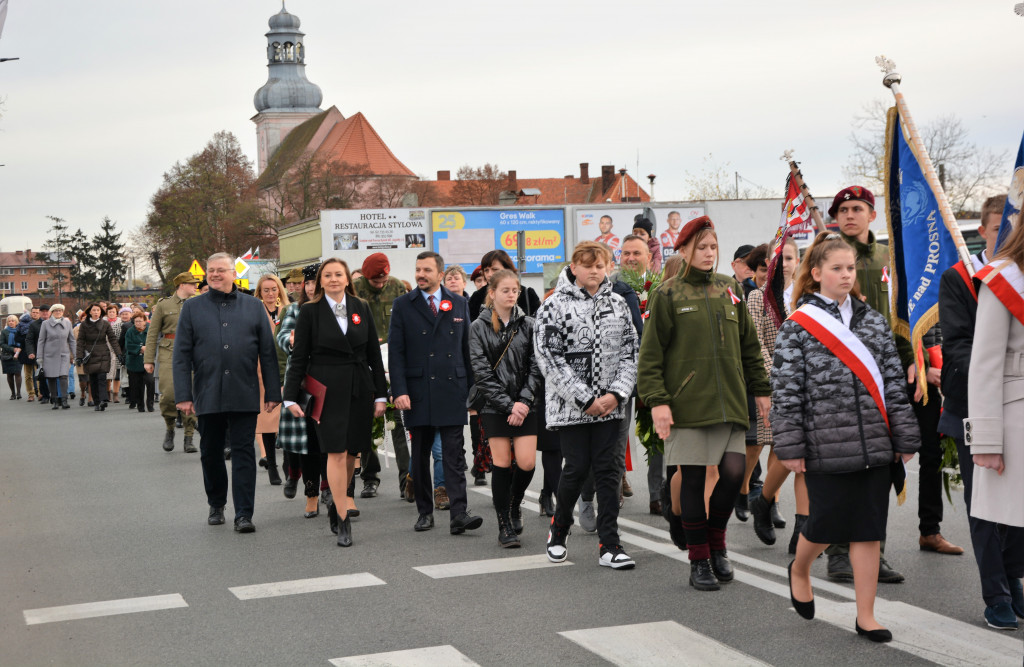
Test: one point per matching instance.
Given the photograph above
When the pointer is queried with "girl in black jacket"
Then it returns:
(840, 414)
(509, 380)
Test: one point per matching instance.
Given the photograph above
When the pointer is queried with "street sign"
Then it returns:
(196, 270)
(242, 282)
(240, 267)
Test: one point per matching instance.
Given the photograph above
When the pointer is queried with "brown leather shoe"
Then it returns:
(655, 507)
(627, 489)
(939, 544)
(441, 501)
(410, 490)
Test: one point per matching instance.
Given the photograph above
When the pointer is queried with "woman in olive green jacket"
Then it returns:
(699, 357)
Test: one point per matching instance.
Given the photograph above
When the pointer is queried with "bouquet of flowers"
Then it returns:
(383, 424)
(644, 287)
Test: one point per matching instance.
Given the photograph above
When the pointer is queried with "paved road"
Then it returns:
(94, 511)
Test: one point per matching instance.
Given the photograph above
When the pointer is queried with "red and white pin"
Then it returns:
(446, 305)
(732, 296)
(356, 319)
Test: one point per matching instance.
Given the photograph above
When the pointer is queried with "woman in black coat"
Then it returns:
(94, 336)
(509, 380)
(336, 344)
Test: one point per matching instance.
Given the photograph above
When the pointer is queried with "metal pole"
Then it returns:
(521, 251)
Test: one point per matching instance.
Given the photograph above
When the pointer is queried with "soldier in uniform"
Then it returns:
(164, 321)
(293, 282)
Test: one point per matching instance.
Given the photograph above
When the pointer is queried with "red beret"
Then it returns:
(691, 228)
(376, 265)
(852, 193)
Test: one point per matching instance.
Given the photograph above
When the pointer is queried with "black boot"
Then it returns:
(274, 475)
(56, 406)
(720, 565)
(547, 504)
(762, 511)
(777, 519)
(168, 440)
(345, 532)
(332, 516)
(675, 523)
(797, 525)
(702, 576)
(291, 485)
(742, 512)
(507, 536)
(188, 446)
(63, 404)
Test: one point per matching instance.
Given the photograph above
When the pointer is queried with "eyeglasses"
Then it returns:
(209, 271)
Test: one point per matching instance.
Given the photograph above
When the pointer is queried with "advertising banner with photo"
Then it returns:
(611, 225)
(354, 234)
(463, 236)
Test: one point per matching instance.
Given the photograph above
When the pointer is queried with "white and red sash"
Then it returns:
(849, 349)
(1006, 281)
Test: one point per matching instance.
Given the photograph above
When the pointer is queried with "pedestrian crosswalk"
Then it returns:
(74, 612)
(489, 566)
(298, 586)
(430, 656)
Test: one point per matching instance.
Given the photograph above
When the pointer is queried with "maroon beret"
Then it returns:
(691, 228)
(852, 193)
(376, 265)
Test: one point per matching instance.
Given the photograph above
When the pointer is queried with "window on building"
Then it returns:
(24, 285)
(43, 285)
(24, 272)
(6, 272)
(6, 287)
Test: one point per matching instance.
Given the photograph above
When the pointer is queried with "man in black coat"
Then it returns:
(220, 338)
(30, 347)
(428, 358)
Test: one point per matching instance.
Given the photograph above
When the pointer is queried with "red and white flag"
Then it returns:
(248, 254)
(796, 218)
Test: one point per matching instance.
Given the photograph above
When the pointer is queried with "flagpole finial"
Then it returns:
(787, 155)
(888, 67)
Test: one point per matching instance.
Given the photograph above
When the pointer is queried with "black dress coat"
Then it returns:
(94, 337)
(349, 365)
(428, 358)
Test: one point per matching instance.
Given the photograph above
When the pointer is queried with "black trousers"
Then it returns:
(585, 447)
(41, 385)
(58, 387)
(98, 386)
(140, 384)
(370, 461)
(453, 455)
(929, 491)
(998, 549)
(235, 431)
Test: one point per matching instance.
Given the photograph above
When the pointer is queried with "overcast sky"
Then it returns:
(108, 94)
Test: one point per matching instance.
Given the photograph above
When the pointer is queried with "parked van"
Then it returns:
(14, 305)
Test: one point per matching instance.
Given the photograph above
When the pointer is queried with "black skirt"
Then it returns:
(848, 507)
(497, 426)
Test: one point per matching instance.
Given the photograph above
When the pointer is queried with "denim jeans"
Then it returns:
(435, 451)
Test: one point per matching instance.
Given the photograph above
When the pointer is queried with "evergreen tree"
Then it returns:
(58, 256)
(106, 260)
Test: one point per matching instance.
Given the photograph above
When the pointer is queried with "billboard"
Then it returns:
(376, 230)
(463, 236)
(611, 225)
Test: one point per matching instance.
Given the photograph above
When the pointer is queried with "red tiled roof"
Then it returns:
(556, 191)
(355, 142)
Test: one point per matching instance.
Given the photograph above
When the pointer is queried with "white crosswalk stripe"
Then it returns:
(660, 644)
(73, 612)
(430, 656)
(488, 566)
(297, 586)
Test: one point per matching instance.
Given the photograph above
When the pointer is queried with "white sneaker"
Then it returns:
(557, 537)
(615, 558)
(588, 517)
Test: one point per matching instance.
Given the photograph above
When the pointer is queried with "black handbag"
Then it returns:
(476, 400)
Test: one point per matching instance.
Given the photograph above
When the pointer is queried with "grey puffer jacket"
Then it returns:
(821, 411)
(586, 346)
(516, 377)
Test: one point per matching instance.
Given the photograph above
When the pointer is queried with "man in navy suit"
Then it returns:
(428, 358)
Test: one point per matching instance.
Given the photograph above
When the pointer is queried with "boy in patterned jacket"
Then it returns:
(587, 350)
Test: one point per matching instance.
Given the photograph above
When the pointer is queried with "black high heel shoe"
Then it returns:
(332, 515)
(345, 533)
(805, 609)
(880, 635)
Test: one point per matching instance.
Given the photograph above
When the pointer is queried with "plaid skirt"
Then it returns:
(291, 433)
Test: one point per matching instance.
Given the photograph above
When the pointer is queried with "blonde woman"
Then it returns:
(270, 290)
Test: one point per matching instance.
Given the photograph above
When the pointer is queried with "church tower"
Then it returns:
(288, 98)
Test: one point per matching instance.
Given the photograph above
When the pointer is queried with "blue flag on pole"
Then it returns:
(920, 246)
(1015, 198)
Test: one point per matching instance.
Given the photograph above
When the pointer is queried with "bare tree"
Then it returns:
(968, 173)
(717, 181)
(312, 183)
(478, 186)
(387, 191)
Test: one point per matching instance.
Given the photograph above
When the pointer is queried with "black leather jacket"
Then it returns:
(517, 376)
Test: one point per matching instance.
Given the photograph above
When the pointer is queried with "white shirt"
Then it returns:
(845, 308)
(342, 321)
(787, 298)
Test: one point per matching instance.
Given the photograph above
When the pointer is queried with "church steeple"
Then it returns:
(288, 98)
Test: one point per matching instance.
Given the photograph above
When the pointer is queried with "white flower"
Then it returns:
(377, 442)
(389, 426)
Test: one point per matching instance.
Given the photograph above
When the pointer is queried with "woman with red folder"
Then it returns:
(336, 346)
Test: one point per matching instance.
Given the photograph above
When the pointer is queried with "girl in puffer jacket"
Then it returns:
(840, 414)
(509, 380)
